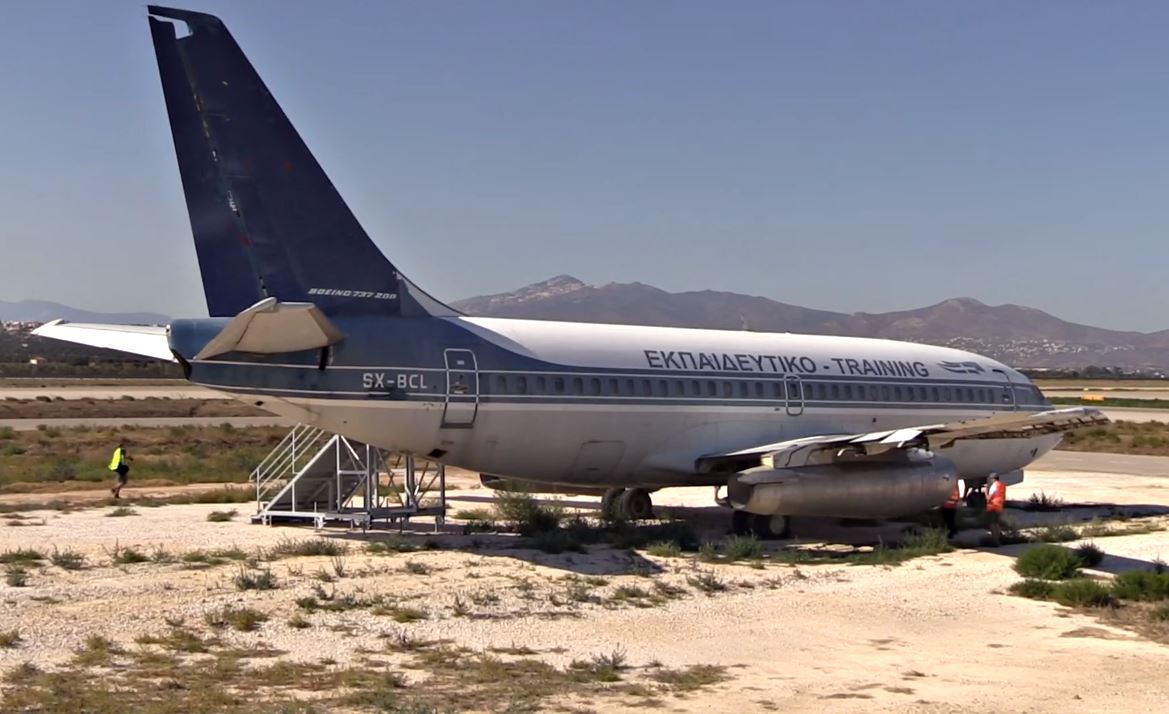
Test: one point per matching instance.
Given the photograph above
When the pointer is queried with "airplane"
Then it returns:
(310, 320)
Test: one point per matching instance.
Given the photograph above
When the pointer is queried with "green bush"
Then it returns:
(1090, 555)
(743, 547)
(526, 514)
(1049, 562)
(1033, 588)
(1141, 585)
(1082, 592)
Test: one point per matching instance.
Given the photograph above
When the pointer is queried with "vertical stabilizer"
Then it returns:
(266, 219)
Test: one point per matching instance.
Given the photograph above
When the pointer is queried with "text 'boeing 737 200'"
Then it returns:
(309, 316)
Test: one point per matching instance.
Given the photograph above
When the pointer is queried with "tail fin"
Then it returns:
(266, 219)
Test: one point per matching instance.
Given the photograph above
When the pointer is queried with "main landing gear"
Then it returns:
(762, 527)
(629, 504)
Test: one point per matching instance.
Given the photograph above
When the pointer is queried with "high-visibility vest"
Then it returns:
(997, 498)
(117, 460)
(952, 502)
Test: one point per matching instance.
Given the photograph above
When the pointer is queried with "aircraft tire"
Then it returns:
(610, 503)
(771, 527)
(636, 505)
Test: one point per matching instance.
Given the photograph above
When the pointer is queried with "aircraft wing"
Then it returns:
(148, 341)
(829, 448)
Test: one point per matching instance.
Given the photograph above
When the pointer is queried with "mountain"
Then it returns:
(1021, 336)
(43, 311)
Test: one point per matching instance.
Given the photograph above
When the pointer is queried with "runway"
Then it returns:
(1156, 466)
(34, 424)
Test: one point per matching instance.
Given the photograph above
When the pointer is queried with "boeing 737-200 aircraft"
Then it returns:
(310, 319)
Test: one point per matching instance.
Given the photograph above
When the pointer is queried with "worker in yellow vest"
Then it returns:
(119, 464)
(996, 499)
(950, 510)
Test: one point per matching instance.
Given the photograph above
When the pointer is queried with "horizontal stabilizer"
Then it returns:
(135, 339)
(271, 327)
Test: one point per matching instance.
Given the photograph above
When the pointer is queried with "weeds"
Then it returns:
(98, 651)
(1056, 533)
(222, 516)
(127, 556)
(707, 582)
(121, 512)
(243, 619)
(297, 622)
(289, 548)
(664, 549)
(15, 575)
(255, 579)
(67, 559)
(9, 639)
(1042, 502)
(24, 556)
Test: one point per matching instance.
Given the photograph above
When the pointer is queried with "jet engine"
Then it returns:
(854, 490)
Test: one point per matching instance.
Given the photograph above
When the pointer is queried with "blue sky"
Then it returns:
(845, 155)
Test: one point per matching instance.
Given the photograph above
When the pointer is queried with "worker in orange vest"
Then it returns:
(996, 499)
(950, 510)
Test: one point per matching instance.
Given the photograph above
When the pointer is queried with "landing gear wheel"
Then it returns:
(771, 527)
(610, 508)
(635, 505)
(741, 522)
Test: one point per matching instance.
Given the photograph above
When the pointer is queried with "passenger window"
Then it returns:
(946, 395)
(695, 388)
(679, 388)
(777, 390)
(934, 392)
(897, 393)
(501, 384)
(577, 385)
(846, 391)
(885, 392)
(728, 390)
(743, 390)
(594, 386)
(629, 388)
(613, 388)
(759, 390)
(521, 385)
(541, 385)
(647, 388)
(909, 394)
(711, 389)
(558, 385)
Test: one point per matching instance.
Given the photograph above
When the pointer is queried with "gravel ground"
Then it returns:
(936, 634)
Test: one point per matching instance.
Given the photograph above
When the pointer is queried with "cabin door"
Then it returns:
(462, 389)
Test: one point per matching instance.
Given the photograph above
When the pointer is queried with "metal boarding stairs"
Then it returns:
(315, 476)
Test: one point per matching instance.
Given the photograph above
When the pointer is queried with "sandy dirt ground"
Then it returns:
(937, 634)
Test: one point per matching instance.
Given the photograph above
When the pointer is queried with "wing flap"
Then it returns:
(148, 341)
(824, 449)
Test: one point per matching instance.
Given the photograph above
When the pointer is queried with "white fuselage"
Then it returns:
(589, 404)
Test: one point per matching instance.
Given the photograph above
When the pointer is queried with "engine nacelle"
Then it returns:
(860, 490)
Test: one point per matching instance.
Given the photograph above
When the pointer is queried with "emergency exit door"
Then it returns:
(462, 389)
